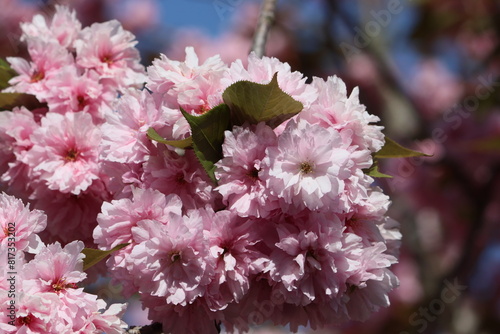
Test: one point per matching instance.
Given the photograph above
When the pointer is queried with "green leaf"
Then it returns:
(207, 164)
(391, 149)
(207, 132)
(93, 256)
(183, 143)
(374, 172)
(253, 103)
(6, 73)
(10, 100)
(3, 63)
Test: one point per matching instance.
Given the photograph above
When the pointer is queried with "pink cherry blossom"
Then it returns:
(241, 180)
(109, 50)
(74, 92)
(63, 28)
(308, 262)
(65, 152)
(109, 321)
(20, 223)
(369, 279)
(47, 58)
(125, 131)
(308, 167)
(364, 301)
(170, 173)
(118, 217)
(231, 240)
(194, 87)
(333, 108)
(368, 220)
(371, 261)
(55, 269)
(37, 314)
(5, 327)
(118, 224)
(121, 178)
(85, 313)
(49, 301)
(16, 128)
(175, 264)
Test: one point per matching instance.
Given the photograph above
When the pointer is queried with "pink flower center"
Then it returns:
(82, 102)
(179, 178)
(310, 253)
(351, 288)
(37, 76)
(22, 321)
(306, 168)
(204, 108)
(175, 256)
(353, 223)
(71, 155)
(61, 285)
(253, 174)
(226, 248)
(107, 58)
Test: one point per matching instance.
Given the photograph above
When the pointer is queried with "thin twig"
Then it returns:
(266, 19)
(155, 328)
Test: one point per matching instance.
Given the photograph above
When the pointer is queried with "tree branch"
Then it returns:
(266, 19)
(155, 328)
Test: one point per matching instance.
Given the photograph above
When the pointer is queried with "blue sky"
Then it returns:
(212, 16)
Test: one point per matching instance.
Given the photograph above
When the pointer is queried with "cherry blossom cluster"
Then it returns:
(288, 228)
(39, 293)
(293, 231)
(50, 155)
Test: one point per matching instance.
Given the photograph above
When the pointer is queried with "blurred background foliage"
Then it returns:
(429, 69)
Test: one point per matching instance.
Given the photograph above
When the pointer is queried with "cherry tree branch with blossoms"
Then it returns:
(213, 187)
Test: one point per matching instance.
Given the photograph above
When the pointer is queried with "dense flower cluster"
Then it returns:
(292, 230)
(53, 153)
(293, 221)
(41, 295)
